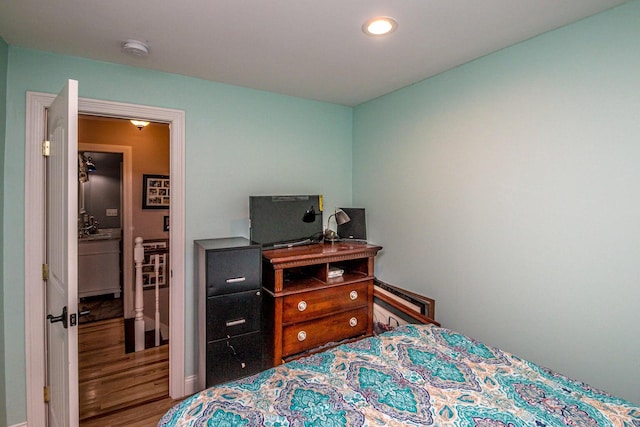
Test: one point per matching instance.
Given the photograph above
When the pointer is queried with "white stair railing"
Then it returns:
(156, 262)
(138, 257)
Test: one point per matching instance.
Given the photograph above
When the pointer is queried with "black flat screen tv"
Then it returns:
(277, 221)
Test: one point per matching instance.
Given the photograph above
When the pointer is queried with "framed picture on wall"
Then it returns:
(155, 251)
(155, 192)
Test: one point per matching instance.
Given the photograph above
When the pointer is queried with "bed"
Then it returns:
(414, 375)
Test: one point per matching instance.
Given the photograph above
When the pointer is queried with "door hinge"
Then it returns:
(46, 148)
(46, 394)
(45, 271)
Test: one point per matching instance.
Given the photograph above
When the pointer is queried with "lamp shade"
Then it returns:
(310, 215)
(91, 167)
(342, 217)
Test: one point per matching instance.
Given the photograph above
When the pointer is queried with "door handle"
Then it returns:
(62, 318)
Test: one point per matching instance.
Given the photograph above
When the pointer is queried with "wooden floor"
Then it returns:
(113, 384)
(146, 415)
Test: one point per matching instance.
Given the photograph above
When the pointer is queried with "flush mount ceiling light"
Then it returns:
(380, 26)
(135, 48)
(139, 123)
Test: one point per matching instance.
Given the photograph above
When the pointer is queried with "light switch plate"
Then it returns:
(112, 212)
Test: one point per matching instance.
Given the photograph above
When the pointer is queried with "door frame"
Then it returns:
(127, 217)
(35, 133)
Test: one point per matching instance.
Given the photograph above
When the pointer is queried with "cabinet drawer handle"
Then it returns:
(353, 295)
(236, 279)
(236, 322)
(353, 322)
(302, 306)
(302, 335)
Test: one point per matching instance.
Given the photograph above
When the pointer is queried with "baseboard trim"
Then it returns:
(191, 385)
(19, 425)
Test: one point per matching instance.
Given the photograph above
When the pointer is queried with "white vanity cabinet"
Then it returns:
(98, 267)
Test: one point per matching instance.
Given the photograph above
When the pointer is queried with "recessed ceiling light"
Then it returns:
(380, 26)
(135, 48)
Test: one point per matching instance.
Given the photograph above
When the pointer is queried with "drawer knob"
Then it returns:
(353, 295)
(302, 335)
(353, 322)
(302, 306)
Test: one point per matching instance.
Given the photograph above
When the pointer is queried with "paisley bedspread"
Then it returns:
(415, 375)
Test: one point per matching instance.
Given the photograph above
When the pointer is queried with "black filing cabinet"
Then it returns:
(228, 275)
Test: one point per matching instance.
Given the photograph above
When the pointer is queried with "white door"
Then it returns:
(62, 256)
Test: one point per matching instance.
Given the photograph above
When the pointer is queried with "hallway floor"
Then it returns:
(112, 380)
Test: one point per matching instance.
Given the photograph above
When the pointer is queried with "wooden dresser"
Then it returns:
(316, 296)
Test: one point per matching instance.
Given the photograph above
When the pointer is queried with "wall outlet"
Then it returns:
(112, 212)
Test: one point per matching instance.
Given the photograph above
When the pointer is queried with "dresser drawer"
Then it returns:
(307, 335)
(234, 357)
(308, 305)
(233, 270)
(233, 314)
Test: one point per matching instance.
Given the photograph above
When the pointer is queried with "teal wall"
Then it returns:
(508, 190)
(4, 59)
(505, 188)
(239, 142)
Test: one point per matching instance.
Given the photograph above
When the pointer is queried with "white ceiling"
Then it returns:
(307, 48)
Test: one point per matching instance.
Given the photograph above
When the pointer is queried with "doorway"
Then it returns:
(145, 151)
(37, 103)
(100, 223)
(106, 205)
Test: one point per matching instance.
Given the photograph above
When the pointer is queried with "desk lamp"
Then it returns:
(341, 218)
(310, 215)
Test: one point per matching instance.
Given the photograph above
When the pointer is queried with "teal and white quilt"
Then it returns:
(415, 375)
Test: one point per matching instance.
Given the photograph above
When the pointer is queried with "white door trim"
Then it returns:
(35, 249)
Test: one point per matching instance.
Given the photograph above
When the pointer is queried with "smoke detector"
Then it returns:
(135, 48)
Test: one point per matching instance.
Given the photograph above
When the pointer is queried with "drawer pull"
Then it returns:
(302, 306)
(353, 322)
(302, 335)
(236, 322)
(353, 295)
(236, 279)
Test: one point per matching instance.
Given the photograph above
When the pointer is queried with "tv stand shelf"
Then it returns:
(306, 309)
